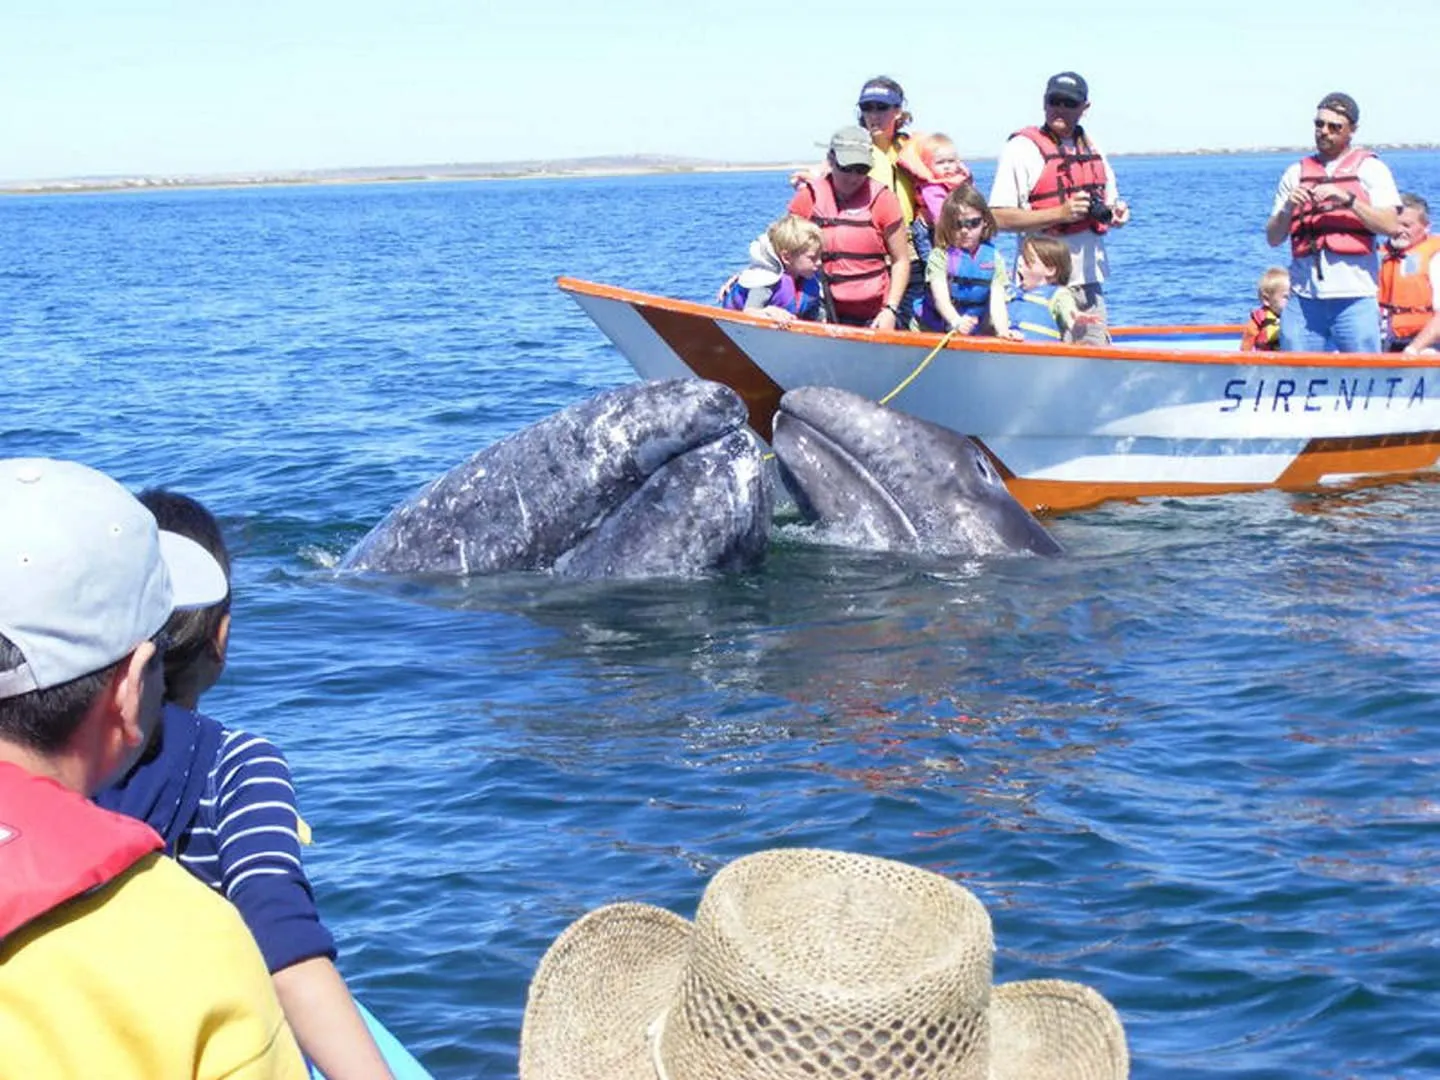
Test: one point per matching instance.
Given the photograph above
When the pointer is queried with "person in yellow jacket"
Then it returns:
(114, 962)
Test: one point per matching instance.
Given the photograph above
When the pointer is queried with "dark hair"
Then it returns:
(947, 233)
(46, 720)
(1052, 252)
(191, 632)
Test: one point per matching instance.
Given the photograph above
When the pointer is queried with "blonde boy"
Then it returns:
(780, 282)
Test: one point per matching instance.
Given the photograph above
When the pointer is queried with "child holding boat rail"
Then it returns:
(1262, 328)
(964, 275)
(224, 804)
(780, 282)
(1044, 309)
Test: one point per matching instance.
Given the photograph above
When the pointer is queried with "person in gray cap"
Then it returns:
(1331, 205)
(865, 250)
(1052, 179)
(114, 961)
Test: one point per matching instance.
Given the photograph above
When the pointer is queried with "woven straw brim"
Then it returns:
(1050, 1029)
(598, 988)
(612, 972)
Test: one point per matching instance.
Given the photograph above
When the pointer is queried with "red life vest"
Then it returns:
(1406, 299)
(1263, 333)
(56, 845)
(1332, 225)
(1068, 169)
(853, 257)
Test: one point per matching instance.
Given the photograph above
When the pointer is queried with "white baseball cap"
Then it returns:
(85, 574)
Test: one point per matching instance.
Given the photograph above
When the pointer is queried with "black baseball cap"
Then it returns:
(1068, 84)
(1344, 104)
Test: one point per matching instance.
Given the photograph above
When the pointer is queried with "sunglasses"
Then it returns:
(855, 170)
(970, 222)
(876, 106)
(1060, 101)
(1332, 126)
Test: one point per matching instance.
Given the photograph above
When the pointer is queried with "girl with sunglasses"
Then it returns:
(964, 276)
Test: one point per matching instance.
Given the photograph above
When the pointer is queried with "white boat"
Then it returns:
(1165, 410)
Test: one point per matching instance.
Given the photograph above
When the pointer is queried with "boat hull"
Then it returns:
(1164, 411)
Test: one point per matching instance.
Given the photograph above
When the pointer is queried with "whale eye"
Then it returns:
(985, 469)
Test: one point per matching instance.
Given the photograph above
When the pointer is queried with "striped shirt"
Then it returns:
(244, 842)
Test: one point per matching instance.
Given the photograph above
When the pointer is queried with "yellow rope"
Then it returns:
(908, 378)
(921, 367)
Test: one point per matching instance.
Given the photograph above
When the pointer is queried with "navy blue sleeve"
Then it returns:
(257, 834)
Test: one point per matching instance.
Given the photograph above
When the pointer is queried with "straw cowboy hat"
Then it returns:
(808, 964)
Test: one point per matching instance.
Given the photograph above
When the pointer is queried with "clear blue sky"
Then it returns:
(94, 87)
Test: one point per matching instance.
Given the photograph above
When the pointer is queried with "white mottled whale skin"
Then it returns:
(650, 479)
(895, 482)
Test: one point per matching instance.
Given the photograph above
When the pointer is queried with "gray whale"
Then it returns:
(894, 482)
(650, 479)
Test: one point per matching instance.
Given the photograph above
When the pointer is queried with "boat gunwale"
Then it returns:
(920, 339)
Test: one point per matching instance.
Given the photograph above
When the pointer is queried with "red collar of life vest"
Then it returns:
(56, 845)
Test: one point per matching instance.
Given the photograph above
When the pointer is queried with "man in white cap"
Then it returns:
(114, 961)
(1331, 205)
(1052, 179)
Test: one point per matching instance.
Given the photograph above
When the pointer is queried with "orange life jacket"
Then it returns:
(56, 845)
(1406, 299)
(1068, 169)
(1262, 333)
(1332, 225)
(853, 257)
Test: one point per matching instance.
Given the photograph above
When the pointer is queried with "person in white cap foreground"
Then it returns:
(805, 963)
(114, 961)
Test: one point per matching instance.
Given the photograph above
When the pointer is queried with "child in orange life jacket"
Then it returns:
(1262, 328)
(964, 276)
(780, 282)
(937, 170)
(1044, 309)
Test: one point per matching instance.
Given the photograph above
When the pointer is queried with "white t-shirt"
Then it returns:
(1020, 165)
(1343, 275)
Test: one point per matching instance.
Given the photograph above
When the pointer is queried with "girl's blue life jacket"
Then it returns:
(969, 276)
(1031, 313)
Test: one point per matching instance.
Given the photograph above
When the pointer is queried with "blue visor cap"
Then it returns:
(885, 95)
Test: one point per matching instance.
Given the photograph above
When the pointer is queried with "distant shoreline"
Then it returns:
(566, 169)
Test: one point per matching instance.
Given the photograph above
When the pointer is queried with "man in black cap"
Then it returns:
(1052, 179)
(1332, 204)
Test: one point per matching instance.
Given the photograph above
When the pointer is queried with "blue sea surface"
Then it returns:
(1191, 763)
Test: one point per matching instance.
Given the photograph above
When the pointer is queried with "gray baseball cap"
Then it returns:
(85, 574)
(851, 146)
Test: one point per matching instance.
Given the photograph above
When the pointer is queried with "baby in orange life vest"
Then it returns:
(1262, 328)
(936, 170)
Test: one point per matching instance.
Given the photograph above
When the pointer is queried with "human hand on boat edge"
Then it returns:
(886, 320)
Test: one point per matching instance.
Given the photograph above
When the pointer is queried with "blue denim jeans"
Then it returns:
(1344, 324)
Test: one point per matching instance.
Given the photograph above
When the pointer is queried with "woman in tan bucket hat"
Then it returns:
(808, 964)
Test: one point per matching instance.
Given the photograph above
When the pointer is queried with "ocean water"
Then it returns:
(1190, 764)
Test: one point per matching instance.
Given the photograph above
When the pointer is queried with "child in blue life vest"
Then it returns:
(1262, 328)
(964, 275)
(780, 282)
(1043, 309)
(936, 170)
(224, 803)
